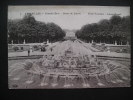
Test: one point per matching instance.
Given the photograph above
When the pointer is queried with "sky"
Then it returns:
(68, 17)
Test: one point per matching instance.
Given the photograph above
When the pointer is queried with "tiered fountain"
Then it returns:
(69, 67)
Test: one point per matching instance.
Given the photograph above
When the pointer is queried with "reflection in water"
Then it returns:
(70, 66)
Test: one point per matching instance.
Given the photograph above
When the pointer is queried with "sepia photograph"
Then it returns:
(68, 47)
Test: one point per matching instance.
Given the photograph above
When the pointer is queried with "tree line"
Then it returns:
(33, 31)
(114, 30)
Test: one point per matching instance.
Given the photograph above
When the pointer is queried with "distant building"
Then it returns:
(70, 35)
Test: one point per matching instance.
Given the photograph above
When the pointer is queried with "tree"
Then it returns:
(108, 31)
(54, 32)
(30, 30)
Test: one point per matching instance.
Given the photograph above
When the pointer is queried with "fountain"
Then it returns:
(70, 66)
(54, 81)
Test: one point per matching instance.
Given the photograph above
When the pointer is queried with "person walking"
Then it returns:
(29, 52)
(51, 49)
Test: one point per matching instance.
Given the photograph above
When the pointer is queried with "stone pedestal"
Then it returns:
(24, 42)
(92, 41)
(127, 43)
(12, 41)
(115, 43)
(108, 49)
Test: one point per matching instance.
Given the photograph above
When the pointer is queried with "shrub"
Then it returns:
(118, 51)
(124, 50)
(28, 64)
(21, 48)
(36, 47)
(15, 48)
(43, 48)
(103, 47)
(103, 44)
(93, 44)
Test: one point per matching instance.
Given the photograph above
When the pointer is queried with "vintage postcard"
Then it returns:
(68, 47)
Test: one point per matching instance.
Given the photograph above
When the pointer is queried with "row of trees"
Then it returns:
(32, 31)
(116, 29)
